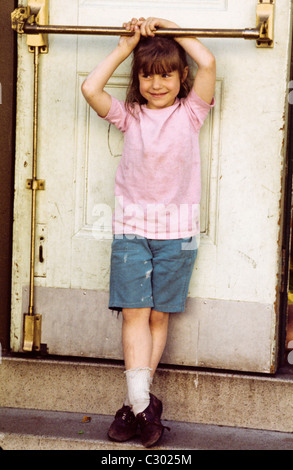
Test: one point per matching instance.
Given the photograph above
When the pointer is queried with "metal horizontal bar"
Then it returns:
(113, 31)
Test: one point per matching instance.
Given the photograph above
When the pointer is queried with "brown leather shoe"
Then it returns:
(124, 426)
(150, 424)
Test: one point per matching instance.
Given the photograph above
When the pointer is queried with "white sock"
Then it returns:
(138, 386)
(127, 401)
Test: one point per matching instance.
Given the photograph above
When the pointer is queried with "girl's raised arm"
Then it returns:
(205, 79)
(93, 86)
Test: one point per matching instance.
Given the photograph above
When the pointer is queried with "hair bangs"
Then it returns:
(159, 65)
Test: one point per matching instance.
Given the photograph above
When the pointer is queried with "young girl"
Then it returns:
(157, 195)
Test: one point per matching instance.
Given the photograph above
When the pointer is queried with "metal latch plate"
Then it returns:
(265, 14)
(35, 184)
(32, 332)
(40, 11)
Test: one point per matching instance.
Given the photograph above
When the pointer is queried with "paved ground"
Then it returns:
(22, 429)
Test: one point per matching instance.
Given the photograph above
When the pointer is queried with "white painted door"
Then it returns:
(232, 314)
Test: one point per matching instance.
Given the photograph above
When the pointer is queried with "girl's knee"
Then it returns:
(136, 314)
(158, 318)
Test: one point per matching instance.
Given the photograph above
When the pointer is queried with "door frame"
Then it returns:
(8, 55)
(287, 214)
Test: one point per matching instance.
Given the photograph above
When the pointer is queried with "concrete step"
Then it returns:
(188, 395)
(22, 429)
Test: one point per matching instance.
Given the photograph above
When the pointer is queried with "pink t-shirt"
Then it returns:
(158, 181)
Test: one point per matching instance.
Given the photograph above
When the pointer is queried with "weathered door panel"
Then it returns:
(231, 317)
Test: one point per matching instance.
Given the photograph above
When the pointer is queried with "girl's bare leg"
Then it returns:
(159, 330)
(136, 337)
(144, 336)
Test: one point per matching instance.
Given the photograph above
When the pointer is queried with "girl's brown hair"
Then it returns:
(157, 55)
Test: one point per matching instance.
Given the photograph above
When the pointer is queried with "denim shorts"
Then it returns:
(151, 273)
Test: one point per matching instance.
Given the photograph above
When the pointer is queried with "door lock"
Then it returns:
(36, 12)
